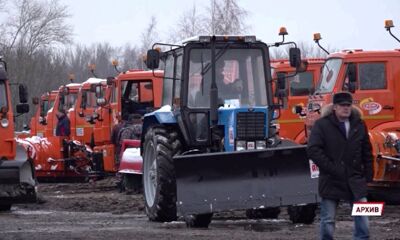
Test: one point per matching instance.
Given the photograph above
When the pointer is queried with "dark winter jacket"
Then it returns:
(345, 165)
(63, 126)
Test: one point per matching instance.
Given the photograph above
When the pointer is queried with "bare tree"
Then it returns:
(191, 23)
(226, 17)
(148, 37)
(37, 24)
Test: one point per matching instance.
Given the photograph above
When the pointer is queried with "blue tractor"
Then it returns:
(213, 147)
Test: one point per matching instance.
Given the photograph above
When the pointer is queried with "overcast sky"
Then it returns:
(343, 24)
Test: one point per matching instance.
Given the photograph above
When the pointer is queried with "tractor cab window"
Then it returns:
(137, 97)
(302, 84)
(3, 94)
(330, 72)
(172, 73)
(240, 77)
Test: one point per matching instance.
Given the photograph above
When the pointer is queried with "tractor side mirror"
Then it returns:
(352, 77)
(35, 100)
(295, 57)
(22, 108)
(23, 93)
(153, 59)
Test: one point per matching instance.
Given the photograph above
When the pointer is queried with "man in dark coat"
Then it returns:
(339, 144)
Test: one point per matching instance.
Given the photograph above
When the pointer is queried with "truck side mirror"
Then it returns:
(281, 82)
(110, 81)
(153, 59)
(23, 93)
(295, 57)
(281, 91)
(22, 108)
(83, 100)
(351, 74)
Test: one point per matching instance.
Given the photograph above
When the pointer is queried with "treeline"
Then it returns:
(37, 42)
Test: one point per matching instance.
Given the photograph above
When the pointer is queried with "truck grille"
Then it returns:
(250, 125)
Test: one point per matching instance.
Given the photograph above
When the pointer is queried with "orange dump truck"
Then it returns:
(372, 78)
(300, 86)
(17, 178)
(39, 120)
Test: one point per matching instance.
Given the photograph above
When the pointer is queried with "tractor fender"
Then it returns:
(131, 159)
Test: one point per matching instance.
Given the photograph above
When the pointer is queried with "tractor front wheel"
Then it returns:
(159, 185)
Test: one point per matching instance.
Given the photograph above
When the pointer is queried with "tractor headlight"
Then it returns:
(240, 145)
(261, 145)
(4, 122)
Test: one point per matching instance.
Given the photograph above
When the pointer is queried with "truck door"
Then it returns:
(373, 92)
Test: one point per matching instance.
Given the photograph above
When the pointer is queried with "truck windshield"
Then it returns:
(240, 77)
(330, 72)
(3, 95)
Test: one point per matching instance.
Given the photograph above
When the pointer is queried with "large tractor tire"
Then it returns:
(5, 207)
(265, 213)
(199, 220)
(159, 185)
(302, 214)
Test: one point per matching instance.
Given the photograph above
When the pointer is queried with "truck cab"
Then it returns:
(300, 86)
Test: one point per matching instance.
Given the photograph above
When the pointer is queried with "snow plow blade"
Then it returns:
(17, 184)
(215, 182)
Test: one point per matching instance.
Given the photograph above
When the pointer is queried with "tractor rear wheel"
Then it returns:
(264, 213)
(159, 185)
(198, 220)
(302, 214)
(5, 207)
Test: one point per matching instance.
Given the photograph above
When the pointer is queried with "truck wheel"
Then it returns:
(159, 184)
(132, 183)
(302, 214)
(5, 207)
(198, 220)
(267, 213)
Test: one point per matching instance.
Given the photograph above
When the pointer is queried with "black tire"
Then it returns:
(264, 213)
(302, 214)
(159, 185)
(132, 183)
(199, 220)
(5, 207)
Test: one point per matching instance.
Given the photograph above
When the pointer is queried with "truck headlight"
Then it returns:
(261, 145)
(240, 145)
(4, 122)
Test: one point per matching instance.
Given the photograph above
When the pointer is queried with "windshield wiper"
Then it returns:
(217, 56)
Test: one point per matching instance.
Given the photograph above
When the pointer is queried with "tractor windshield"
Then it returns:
(240, 77)
(329, 75)
(3, 94)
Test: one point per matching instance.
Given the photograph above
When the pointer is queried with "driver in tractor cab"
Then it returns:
(229, 86)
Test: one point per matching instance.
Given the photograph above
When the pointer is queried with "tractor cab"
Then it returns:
(212, 146)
